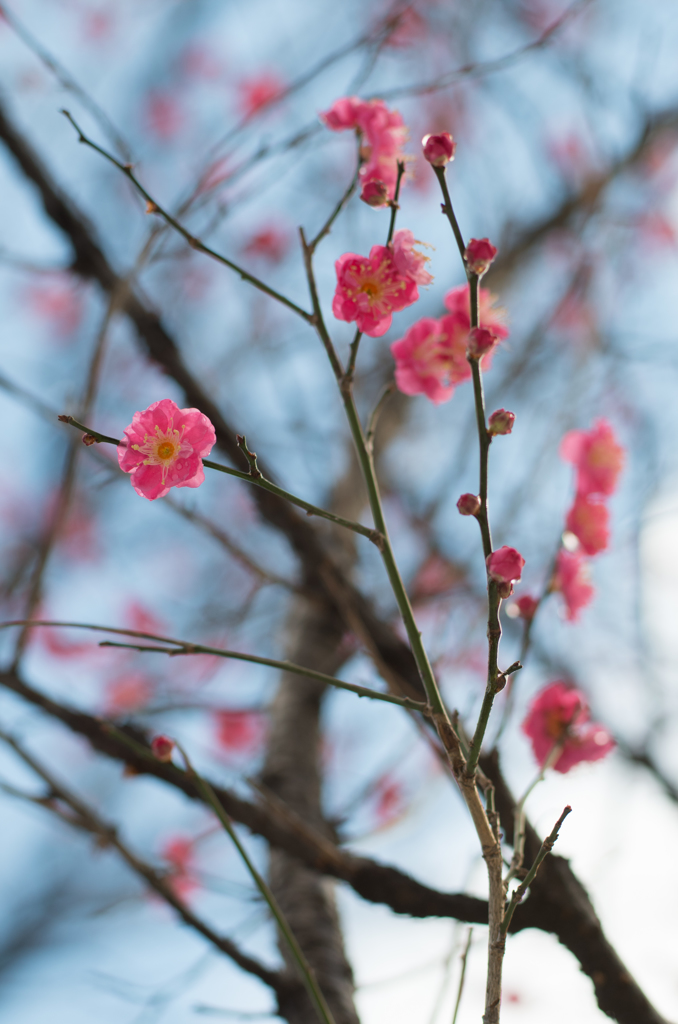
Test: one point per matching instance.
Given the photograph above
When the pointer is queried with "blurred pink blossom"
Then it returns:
(127, 693)
(58, 300)
(164, 448)
(383, 134)
(240, 732)
(589, 521)
(259, 91)
(179, 852)
(271, 243)
(163, 115)
(559, 714)
(458, 302)
(597, 456)
(571, 580)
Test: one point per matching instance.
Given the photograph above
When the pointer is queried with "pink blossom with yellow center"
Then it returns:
(370, 289)
(589, 521)
(164, 446)
(559, 719)
(597, 456)
(571, 580)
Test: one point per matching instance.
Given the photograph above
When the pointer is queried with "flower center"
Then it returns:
(164, 448)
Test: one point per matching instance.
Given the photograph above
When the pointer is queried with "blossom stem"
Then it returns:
(194, 242)
(491, 846)
(394, 201)
(317, 319)
(544, 850)
(308, 977)
(185, 647)
(448, 210)
(366, 460)
(386, 392)
(350, 369)
(259, 481)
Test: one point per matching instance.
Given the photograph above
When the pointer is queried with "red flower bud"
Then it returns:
(479, 254)
(163, 748)
(469, 505)
(480, 342)
(501, 421)
(88, 439)
(505, 565)
(375, 193)
(439, 149)
(527, 606)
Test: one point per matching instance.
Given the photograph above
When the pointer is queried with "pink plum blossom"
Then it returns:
(370, 289)
(560, 716)
(479, 254)
(589, 521)
(164, 447)
(505, 565)
(501, 421)
(270, 244)
(431, 358)
(571, 580)
(383, 134)
(468, 505)
(410, 262)
(439, 149)
(597, 456)
(457, 301)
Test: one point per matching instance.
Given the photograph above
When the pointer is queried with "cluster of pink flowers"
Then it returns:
(559, 720)
(598, 460)
(382, 133)
(164, 447)
(431, 359)
(371, 288)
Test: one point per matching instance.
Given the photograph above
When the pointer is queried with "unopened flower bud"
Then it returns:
(479, 254)
(505, 565)
(163, 748)
(375, 193)
(469, 505)
(526, 606)
(439, 149)
(88, 439)
(501, 422)
(480, 342)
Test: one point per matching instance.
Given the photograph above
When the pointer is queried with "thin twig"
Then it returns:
(462, 977)
(186, 647)
(87, 818)
(305, 969)
(194, 242)
(544, 850)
